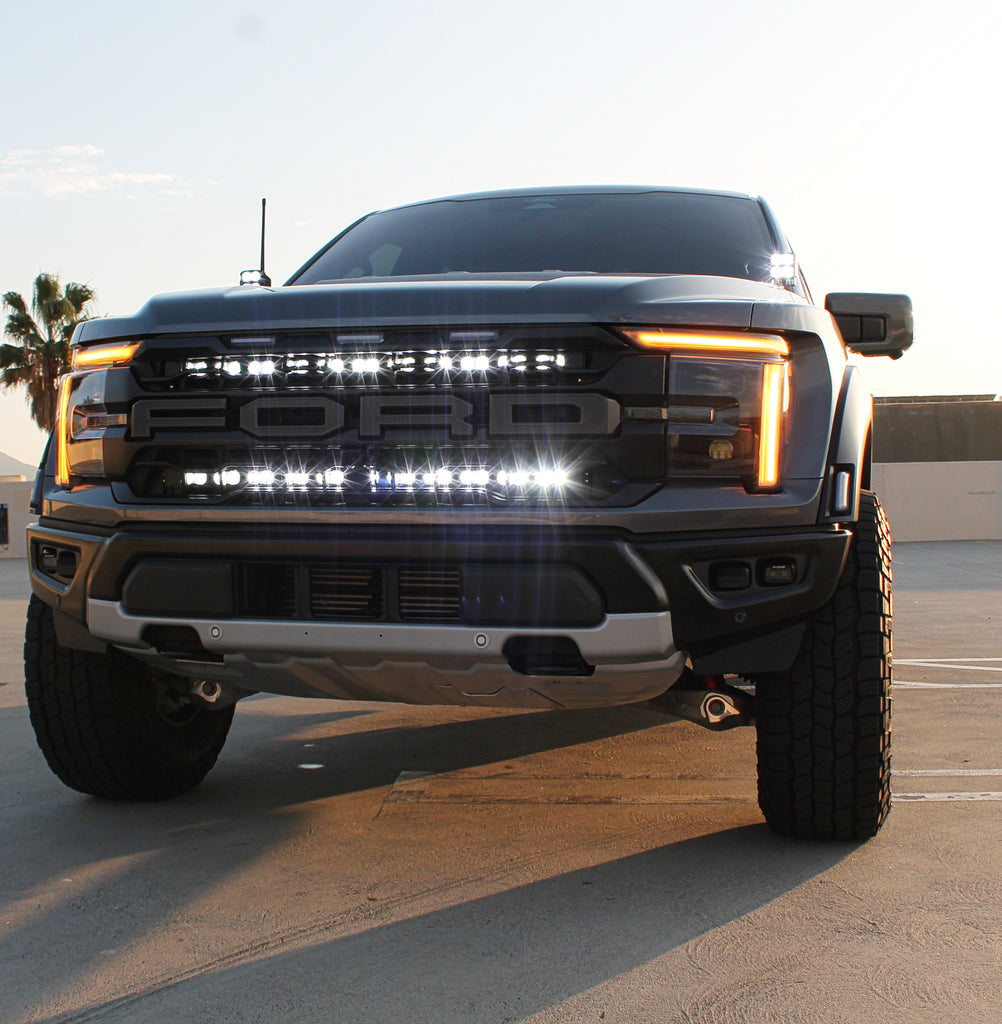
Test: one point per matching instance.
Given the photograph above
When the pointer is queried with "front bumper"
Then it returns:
(261, 608)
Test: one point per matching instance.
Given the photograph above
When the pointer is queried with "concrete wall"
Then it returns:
(938, 466)
(941, 500)
(946, 428)
(16, 495)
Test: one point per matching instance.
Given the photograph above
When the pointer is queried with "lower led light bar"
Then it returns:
(378, 480)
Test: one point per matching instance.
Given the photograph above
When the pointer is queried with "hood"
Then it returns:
(448, 299)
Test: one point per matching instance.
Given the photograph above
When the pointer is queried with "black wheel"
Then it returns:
(824, 728)
(109, 725)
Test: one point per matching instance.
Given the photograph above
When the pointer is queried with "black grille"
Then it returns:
(440, 417)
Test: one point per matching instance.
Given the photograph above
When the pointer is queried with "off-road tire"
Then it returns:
(824, 727)
(109, 725)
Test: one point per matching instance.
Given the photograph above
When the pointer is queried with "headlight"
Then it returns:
(727, 395)
(83, 423)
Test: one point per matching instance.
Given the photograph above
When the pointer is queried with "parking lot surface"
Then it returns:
(365, 863)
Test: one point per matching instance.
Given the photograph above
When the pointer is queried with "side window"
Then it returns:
(4, 533)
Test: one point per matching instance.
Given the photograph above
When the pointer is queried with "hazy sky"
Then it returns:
(139, 138)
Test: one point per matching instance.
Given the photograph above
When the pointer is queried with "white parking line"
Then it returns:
(946, 797)
(950, 773)
(937, 661)
(903, 684)
(949, 664)
(954, 664)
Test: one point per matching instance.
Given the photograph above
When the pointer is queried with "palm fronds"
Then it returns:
(41, 336)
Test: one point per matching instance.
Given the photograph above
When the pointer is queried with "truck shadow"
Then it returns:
(499, 958)
(133, 874)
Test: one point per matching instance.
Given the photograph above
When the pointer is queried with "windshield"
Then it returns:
(601, 233)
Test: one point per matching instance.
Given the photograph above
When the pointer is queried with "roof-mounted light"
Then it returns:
(721, 343)
(104, 355)
(783, 267)
(258, 277)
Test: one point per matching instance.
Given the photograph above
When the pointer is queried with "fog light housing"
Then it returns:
(730, 576)
(777, 572)
(60, 563)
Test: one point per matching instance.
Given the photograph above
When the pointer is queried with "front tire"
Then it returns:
(109, 725)
(824, 727)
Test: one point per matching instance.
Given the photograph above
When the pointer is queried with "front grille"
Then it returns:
(495, 417)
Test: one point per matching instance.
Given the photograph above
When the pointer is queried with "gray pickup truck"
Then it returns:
(552, 448)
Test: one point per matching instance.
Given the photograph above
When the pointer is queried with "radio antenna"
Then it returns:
(264, 203)
(258, 276)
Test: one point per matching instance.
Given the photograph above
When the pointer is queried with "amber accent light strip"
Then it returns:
(62, 430)
(722, 344)
(103, 355)
(770, 427)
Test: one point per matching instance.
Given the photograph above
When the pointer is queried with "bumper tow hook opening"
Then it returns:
(545, 656)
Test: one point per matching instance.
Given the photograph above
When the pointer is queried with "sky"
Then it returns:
(139, 139)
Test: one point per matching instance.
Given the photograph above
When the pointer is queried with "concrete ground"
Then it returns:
(362, 863)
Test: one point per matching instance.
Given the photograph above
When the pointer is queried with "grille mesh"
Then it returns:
(345, 592)
(430, 594)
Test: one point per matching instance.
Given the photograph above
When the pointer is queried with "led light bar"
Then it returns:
(726, 343)
(377, 479)
(362, 364)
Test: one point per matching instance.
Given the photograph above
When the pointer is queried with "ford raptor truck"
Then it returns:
(550, 448)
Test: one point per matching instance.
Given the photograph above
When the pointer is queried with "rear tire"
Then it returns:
(112, 727)
(824, 727)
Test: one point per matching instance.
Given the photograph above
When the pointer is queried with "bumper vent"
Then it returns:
(345, 593)
(429, 595)
(392, 591)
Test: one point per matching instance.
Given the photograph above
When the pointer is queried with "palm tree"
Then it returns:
(41, 337)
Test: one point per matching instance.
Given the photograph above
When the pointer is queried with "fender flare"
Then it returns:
(850, 450)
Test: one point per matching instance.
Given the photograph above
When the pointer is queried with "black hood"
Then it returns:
(461, 298)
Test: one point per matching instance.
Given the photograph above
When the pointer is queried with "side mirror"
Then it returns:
(873, 324)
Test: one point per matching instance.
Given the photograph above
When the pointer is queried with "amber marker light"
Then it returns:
(103, 355)
(770, 428)
(62, 432)
(719, 344)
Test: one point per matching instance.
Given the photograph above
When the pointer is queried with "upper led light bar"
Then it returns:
(104, 355)
(722, 343)
(362, 364)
